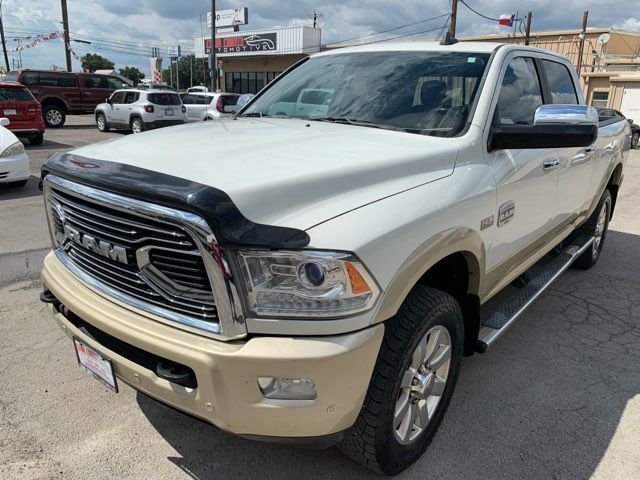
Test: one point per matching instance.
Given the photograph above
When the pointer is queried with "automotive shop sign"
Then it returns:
(244, 43)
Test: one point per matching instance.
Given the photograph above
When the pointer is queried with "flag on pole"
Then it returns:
(506, 20)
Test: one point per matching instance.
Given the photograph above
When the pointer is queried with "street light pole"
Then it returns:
(212, 51)
(4, 45)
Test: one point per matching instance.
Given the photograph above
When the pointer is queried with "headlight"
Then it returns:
(306, 284)
(13, 150)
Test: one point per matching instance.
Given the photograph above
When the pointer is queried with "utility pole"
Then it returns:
(212, 52)
(65, 26)
(191, 58)
(585, 16)
(527, 28)
(452, 20)
(4, 45)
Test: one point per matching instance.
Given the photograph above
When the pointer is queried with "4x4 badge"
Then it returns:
(506, 212)
(486, 222)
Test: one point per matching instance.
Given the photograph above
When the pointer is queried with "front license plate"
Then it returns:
(10, 111)
(95, 364)
(168, 111)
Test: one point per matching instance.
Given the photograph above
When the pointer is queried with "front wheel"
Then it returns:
(411, 385)
(54, 116)
(101, 122)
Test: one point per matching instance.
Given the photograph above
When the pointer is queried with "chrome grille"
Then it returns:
(164, 268)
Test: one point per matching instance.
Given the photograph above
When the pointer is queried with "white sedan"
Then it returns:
(14, 163)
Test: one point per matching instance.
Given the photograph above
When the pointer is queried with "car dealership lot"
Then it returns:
(558, 396)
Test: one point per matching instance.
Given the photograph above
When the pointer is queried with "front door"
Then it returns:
(526, 179)
(112, 110)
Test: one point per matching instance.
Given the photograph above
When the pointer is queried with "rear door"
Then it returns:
(526, 179)
(95, 90)
(126, 109)
(576, 163)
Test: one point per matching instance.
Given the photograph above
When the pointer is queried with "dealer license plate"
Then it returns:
(95, 364)
(10, 111)
(168, 111)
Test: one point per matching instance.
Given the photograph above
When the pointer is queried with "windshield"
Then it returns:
(419, 92)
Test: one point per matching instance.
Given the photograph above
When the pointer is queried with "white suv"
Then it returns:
(139, 110)
(209, 106)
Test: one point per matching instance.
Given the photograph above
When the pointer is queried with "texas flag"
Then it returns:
(506, 19)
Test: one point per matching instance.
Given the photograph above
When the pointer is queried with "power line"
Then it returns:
(477, 12)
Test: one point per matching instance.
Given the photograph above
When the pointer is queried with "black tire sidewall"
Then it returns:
(394, 456)
(48, 108)
(36, 139)
(635, 138)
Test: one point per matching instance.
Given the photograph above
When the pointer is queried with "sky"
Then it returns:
(125, 30)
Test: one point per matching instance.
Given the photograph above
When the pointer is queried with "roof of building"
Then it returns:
(418, 45)
(550, 33)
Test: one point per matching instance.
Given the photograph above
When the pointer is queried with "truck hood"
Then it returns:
(287, 172)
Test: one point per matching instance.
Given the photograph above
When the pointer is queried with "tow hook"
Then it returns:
(47, 297)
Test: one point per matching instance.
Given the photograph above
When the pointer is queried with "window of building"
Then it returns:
(600, 99)
(245, 82)
(520, 94)
(560, 83)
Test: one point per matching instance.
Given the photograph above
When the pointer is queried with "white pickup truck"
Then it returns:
(322, 283)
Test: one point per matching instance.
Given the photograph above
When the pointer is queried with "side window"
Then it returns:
(30, 79)
(520, 94)
(94, 81)
(117, 97)
(57, 80)
(560, 83)
(115, 83)
(131, 97)
(203, 100)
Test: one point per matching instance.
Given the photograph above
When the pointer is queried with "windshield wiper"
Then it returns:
(357, 123)
(252, 114)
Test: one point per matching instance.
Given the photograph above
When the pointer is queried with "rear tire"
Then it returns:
(597, 227)
(101, 122)
(137, 125)
(36, 139)
(390, 434)
(54, 116)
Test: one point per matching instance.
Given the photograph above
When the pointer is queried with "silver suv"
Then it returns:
(139, 110)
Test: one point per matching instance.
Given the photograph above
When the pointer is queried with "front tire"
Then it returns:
(54, 116)
(101, 122)
(597, 227)
(411, 385)
(635, 139)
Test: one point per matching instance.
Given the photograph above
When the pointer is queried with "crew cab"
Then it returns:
(322, 283)
(61, 93)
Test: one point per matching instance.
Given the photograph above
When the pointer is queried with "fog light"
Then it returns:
(287, 388)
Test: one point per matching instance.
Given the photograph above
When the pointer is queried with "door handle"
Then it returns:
(590, 149)
(550, 164)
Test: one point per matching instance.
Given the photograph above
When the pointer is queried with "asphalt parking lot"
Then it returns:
(557, 397)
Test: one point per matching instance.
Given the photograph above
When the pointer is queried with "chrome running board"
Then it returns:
(505, 315)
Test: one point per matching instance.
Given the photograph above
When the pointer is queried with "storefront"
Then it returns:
(249, 60)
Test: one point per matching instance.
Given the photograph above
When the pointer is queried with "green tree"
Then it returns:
(133, 74)
(201, 74)
(93, 62)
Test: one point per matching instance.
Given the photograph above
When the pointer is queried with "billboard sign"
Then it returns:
(263, 42)
(230, 18)
(174, 51)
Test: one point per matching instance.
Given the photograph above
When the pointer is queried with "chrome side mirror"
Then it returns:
(566, 115)
(4, 121)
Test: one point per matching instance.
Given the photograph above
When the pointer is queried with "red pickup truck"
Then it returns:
(61, 93)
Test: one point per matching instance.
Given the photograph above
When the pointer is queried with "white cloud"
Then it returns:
(631, 24)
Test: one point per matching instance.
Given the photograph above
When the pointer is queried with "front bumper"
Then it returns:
(14, 169)
(227, 393)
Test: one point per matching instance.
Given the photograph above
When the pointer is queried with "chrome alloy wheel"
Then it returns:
(54, 117)
(422, 385)
(136, 126)
(600, 228)
(101, 122)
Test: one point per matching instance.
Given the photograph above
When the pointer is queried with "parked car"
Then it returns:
(61, 93)
(310, 101)
(244, 99)
(197, 88)
(139, 110)
(317, 278)
(155, 86)
(209, 106)
(14, 163)
(607, 116)
(23, 110)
